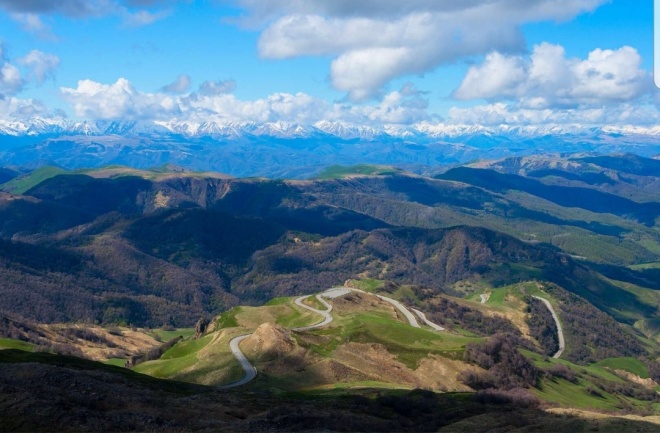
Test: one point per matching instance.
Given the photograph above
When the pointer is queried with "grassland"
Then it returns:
(16, 345)
(207, 361)
(632, 365)
(26, 182)
(168, 335)
(117, 362)
(645, 266)
(407, 343)
(338, 171)
(584, 392)
(650, 328)
(369, 343)
(367, 284)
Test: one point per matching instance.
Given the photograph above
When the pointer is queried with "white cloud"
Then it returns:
(21, 109)
(42, 65)
(548, 79)
(211, 88)
(180, 85)
(375, 41)
(11, 81)
(512, 115)
(121, 100)
(547, 88)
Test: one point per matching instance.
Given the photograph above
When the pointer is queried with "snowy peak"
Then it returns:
(424, 132)
(347, 131)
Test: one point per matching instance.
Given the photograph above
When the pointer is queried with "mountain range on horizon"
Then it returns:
(291, 150)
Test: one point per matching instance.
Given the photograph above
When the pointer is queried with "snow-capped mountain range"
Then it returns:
(285, 130)
(284, 149)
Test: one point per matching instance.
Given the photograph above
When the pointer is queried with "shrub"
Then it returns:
(594, 392)
(115, 331)
(448, 312)
(518, 397)
(507, 367)
(563, 372)
(87, 335)
(154, 353)
(477, 381)
(542, 326)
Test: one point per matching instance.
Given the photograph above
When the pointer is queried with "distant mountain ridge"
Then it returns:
(292, 150)
(48, 126)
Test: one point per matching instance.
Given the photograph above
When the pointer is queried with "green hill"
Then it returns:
(25, 182)
(339, 172)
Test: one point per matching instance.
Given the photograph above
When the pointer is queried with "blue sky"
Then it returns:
(519, 62)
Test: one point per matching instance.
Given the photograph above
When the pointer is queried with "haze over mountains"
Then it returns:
(291, 150)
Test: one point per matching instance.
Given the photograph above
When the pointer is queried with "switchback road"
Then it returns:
(251, 371)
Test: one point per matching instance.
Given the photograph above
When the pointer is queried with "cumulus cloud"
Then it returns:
(180, 85)
(121, 100)
(42, 65)
(375, 41)
(11, 80)
(548, 79)
(545, 88)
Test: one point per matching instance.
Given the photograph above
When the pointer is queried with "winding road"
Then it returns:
(422, 316)
(409, 316)
(251, 371)
(325, 313)
(560, 332)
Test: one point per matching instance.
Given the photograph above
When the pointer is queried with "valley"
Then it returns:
(510, 285)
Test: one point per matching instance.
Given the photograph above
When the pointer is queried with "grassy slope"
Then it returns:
(16, 345)
(25, 182)
(631, 365)
(209, 360)
(650, 328)
(577, 395)
(338, 171)
(168, 335)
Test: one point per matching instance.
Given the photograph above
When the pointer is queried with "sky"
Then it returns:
(367, 62)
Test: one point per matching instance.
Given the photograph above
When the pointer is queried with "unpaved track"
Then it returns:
(251, 371)
(560, 332)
